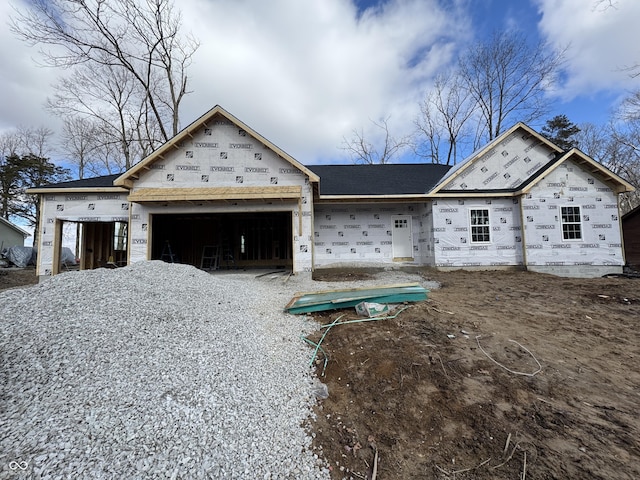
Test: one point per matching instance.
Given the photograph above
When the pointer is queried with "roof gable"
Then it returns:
(613, 181)
(506, 163)
(204, 124)
(379, 179)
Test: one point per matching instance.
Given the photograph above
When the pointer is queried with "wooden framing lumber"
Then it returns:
(143, 195)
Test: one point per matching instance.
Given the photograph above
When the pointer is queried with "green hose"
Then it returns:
(362, 320)
(333, 324)
(318, 347)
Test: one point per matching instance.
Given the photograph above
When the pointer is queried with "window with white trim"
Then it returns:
(480, 226)
(571, 223)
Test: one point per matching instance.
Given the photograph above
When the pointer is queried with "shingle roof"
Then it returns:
(95, 182)
(378, 179)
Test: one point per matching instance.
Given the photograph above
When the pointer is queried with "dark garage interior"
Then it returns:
(223, 240)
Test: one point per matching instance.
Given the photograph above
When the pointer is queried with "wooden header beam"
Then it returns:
(143, 195)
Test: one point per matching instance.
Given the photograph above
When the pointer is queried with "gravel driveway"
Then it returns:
(155, 371)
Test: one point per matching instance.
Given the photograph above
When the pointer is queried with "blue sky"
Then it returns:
(584, 106)
(305, 74)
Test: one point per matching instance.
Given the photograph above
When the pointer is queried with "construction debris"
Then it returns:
(372, 309)
(346, 298)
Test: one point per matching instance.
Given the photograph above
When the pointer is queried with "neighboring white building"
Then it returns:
(220, 195)
(11, 235)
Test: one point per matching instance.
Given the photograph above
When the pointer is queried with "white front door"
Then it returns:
(401, 237)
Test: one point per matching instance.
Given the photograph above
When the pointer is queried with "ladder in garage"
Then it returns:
(167, 254)
(210, 257)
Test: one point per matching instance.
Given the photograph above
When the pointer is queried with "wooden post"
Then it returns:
(57, 247)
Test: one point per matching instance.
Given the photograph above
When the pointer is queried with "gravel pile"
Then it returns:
(155, 371)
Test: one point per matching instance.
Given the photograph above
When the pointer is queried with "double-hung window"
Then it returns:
(480, 227)
(571, 223)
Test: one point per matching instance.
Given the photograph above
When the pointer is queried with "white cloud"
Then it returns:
(602, 42)
(305, 74)
(24, 85)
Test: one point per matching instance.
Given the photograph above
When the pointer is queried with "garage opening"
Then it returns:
(224, 241)
(95, 244)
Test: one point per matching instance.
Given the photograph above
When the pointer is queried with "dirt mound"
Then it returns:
(496, 375)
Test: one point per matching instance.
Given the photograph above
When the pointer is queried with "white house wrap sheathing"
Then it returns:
(452, 233)
(76, 207)
(599, 249)
(525, 227)
(505, 165)
(425, 251)
(520, 201)
(361, 234)
(218, 156)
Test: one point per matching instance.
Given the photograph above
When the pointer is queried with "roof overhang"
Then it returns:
(371, 198)
(475, 193)
(172, 195)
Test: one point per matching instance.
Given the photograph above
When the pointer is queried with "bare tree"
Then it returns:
(630, 108)
(362, 151)
(23, 164)
(495, 84)
(625, 135)
(78, 141)
(91, 146)
(508, 78)
(604, 4)
(139, 40)
(442, 121)
(113, 103)
(593, 140)
(9, 144)
(35, 141)
(25, 141)
(108, 158)
(625, 161)
(616, 146)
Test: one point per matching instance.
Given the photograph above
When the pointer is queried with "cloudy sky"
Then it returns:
(305, 74)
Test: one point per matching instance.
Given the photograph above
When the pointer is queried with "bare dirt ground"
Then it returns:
(17, 277)
(425, 391)
(431, 393)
